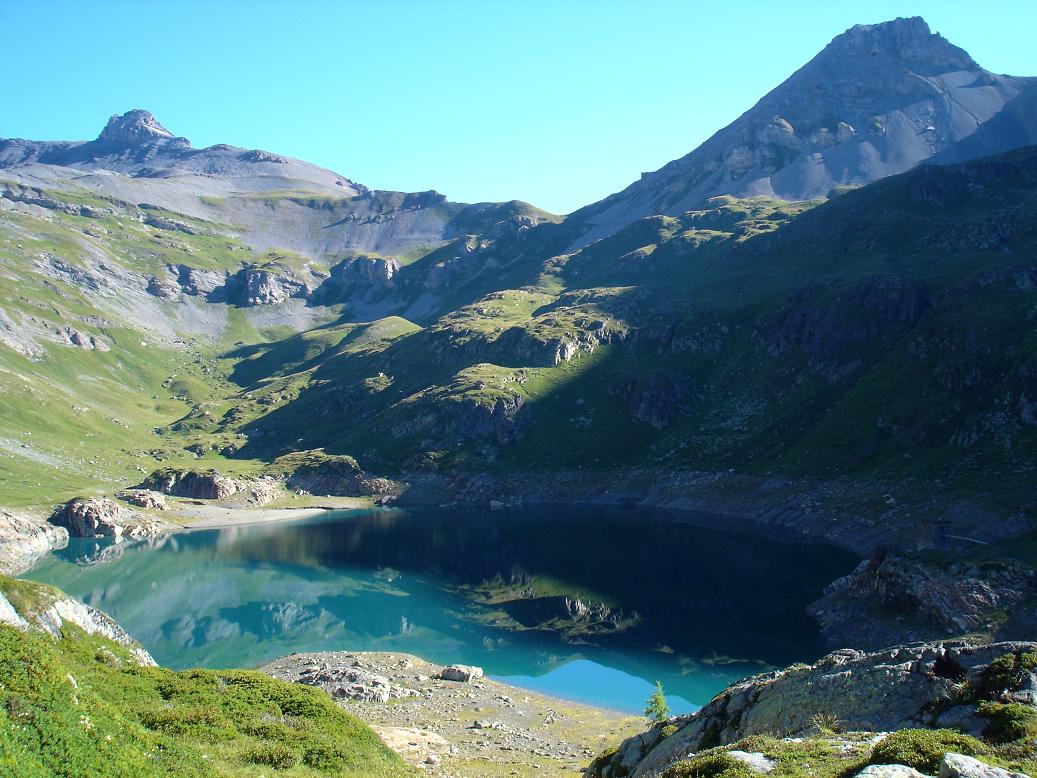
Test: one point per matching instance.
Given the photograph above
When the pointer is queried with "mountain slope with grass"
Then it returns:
(75, 702)
(868, 351)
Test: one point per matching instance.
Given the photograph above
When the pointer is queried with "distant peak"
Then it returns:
(136, 126)
(907, 39)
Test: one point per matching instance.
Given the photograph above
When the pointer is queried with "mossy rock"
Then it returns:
(715, 764)
(922, 749)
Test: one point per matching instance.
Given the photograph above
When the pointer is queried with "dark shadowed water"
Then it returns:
(590, 605)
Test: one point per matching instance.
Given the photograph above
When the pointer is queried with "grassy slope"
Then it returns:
(764, 336)
(80, 706)
(778, 322)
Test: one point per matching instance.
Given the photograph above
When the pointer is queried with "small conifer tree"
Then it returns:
(656, 708)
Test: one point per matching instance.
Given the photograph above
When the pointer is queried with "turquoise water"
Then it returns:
(670, 599)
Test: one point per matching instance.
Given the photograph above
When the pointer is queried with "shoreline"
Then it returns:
(193, 516)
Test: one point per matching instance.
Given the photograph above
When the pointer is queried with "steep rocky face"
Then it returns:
(878, 100)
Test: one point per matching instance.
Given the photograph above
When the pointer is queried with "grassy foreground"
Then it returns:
(80, 706)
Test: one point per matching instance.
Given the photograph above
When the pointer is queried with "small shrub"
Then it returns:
(203, 723)
(922, 749)
(715, 764)
(670, 729)
(1007, 722)
(759, 744)
(826, 723)
(276, 755)
(1006, 672)
(322, 756)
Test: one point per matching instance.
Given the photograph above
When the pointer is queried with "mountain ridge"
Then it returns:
(878, 100)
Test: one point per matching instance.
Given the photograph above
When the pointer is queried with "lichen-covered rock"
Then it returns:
(898, 688)
(24, 540)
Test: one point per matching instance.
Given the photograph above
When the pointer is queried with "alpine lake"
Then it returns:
(590, 605)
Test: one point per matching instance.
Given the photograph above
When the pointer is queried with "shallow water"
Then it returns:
(669, 598)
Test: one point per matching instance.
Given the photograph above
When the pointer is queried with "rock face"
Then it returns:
(902, 687)
(948, 601)
(878, 100)
(24, 540)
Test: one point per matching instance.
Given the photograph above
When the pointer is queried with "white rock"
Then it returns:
(889, 771)
(961, 766)
(460, 673)
(754, 760)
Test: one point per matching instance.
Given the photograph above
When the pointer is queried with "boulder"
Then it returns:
(90, 517)
(961, 766)
(460, 673)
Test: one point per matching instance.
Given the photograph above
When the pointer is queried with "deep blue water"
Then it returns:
(687, 605)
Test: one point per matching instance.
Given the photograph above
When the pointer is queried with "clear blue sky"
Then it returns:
(558, 103)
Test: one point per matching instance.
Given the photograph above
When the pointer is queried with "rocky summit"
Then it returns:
(878, 100)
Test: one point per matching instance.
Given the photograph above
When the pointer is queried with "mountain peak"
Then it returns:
(136, 126)
(908, 39)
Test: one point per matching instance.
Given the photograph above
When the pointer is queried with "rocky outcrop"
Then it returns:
(144, 498)
(836, 327)
(202, 485)
(24, 540)
(654, 399)
(890, 598)
(91, 517)
(352, 682)
(902, 687)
